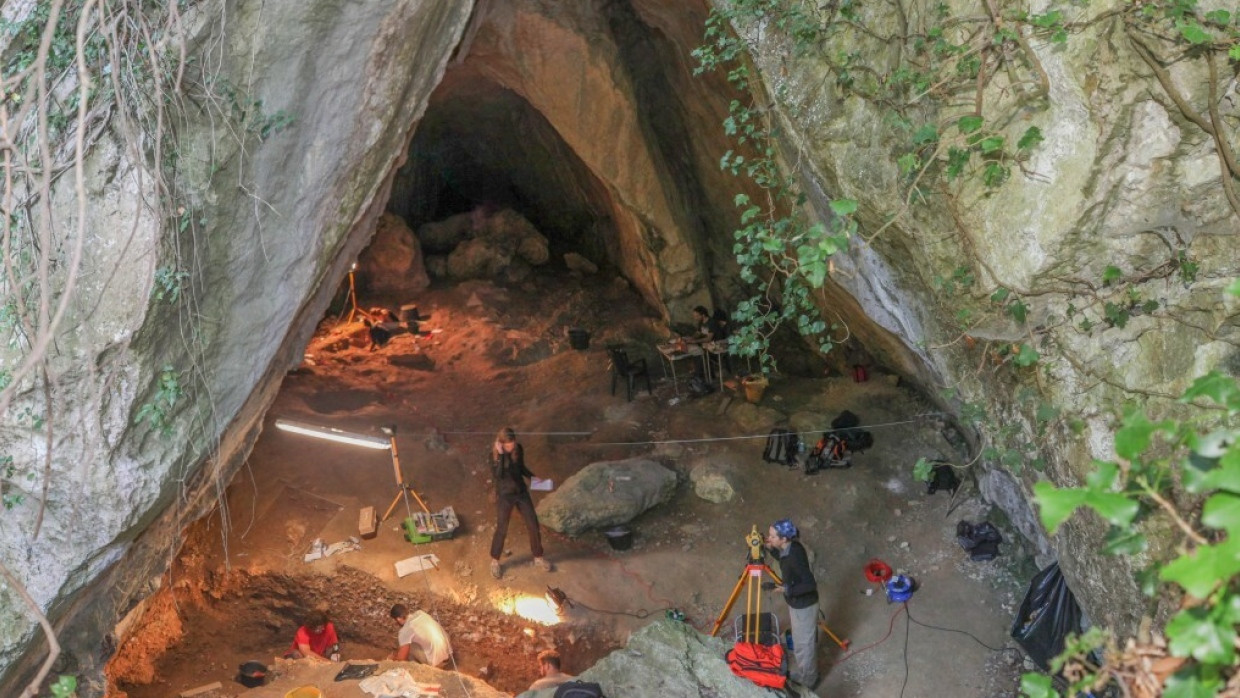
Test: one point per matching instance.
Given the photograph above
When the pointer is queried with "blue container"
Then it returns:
(899, 589)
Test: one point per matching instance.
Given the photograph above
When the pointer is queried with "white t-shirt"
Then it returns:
(422, 630)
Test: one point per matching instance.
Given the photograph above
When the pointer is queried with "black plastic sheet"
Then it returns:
(1047, 615)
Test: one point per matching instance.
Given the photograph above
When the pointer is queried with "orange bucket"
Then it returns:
(304, 692)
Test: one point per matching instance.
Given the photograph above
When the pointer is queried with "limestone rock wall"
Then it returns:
(1122, 179)
(279, 208)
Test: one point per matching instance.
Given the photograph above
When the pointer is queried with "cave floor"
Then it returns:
(498, 355)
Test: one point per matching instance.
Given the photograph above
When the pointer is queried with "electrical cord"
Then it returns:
(641, 613)
(962, 632)
(907, 625)
(890, 626)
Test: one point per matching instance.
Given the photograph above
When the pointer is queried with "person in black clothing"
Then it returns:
(801, 592)
(710, 328)
(509, 472)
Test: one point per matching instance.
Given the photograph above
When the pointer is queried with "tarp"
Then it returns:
(1046, 616)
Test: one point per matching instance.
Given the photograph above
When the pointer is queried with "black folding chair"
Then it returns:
(628, 369)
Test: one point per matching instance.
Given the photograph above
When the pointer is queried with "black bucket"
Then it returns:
(619, 537)
(252, 674)
(579, 339)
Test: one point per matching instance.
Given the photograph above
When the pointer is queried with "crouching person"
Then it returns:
(421, 638)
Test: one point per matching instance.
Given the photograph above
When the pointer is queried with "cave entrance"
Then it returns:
(519, 161)
(481, 149)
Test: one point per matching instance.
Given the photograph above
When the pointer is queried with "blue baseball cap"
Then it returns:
(785, 528)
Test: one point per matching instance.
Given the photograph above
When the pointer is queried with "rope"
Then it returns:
(434, 613)
(707, 439)
(524, 433)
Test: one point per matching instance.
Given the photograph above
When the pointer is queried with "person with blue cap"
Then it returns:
(800, 590)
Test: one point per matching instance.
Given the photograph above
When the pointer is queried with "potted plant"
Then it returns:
(755, 386)
(751, 340)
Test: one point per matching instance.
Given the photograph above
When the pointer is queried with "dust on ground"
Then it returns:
(492, 355)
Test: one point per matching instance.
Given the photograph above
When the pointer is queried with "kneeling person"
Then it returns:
(315, 639)
(421, 638)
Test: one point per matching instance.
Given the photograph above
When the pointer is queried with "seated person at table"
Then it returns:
(711, 328)
(314, 639)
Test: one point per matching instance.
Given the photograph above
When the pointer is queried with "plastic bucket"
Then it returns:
(252, 674)
(304, 692)
(579, 339)
(619, 537)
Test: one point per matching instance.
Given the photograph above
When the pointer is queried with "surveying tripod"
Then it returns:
(751, 579)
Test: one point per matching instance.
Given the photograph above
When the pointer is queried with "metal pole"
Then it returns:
(400, 480)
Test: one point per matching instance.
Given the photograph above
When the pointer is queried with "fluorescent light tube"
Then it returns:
(379, 443)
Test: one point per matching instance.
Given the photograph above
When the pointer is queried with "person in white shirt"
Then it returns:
(421, 638)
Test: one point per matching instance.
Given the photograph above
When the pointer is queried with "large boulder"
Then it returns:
(579, 264)
(534, 249)
(392, 264)
(443, 236)
(606, 493)
(672, 660)
(488, 245)
(477, 259)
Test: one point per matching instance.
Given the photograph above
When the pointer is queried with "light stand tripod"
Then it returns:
(402, 489)
(751, 579)
(350, 299)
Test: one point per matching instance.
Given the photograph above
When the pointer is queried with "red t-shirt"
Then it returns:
(319, 642)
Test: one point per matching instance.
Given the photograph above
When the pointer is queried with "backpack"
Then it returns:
(980, 540)
(579, 689)
(765, 665)
(829, 452)
(781, 447)
(845, 420)
(942, 477)
(856, 440)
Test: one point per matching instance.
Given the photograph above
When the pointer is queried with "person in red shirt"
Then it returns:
(315, 639)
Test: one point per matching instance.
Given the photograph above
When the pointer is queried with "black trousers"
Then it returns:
(503, 512)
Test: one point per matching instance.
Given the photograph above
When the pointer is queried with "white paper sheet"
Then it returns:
(419, 563)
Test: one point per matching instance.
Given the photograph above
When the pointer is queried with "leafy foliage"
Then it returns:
(168, 392)
(65, 686)
(782, 255)
(1152, 457)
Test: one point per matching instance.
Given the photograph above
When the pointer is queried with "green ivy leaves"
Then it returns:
(1207, 458)
(1216, 387)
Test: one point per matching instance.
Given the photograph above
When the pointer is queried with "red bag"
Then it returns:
(765, 665)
